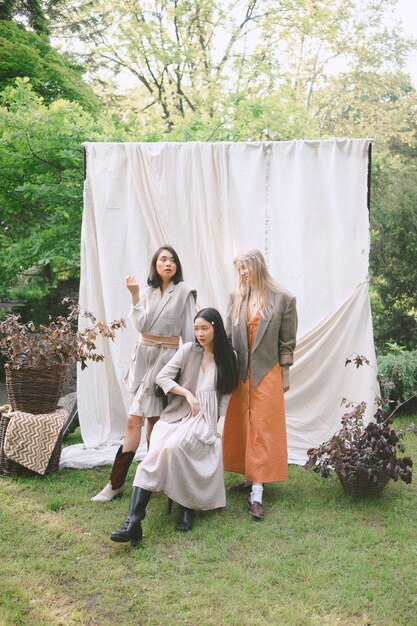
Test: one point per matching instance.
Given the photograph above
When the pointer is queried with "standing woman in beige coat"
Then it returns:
(262, 325)
(162, 314)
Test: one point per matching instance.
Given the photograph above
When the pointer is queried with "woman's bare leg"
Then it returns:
(133, 433)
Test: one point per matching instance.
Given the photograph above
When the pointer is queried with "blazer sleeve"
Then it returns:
(187, 330)
(139, 312)
(229, 319)
(287, 333)
(166, 376)
(223, 404)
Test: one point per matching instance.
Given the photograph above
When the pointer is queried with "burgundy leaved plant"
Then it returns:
(370, 450)
(59, 342)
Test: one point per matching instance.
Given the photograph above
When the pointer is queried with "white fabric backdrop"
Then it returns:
(303, 203)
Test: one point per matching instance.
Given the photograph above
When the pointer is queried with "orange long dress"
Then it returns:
(254, 435)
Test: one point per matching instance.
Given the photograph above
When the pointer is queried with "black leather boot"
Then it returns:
(132, 528)
(185, 519)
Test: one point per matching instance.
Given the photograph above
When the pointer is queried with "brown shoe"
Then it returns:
(241, 487)
(256, 509)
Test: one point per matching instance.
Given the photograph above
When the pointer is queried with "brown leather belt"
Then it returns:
(160, 341)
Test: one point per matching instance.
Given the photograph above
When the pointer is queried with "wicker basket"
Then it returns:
(11, 468)
(35, 389)
(361, 487)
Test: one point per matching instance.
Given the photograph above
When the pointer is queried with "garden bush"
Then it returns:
(399, 370)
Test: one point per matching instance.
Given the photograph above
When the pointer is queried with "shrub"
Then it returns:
(400, 368)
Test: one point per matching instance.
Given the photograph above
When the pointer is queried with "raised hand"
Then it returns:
(133, 286)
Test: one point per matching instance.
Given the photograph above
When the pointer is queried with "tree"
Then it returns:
(41, 175)
(384, 107)
(25, 10)
(52, 76)
(394, 254)
(170, 47)
(189, 58)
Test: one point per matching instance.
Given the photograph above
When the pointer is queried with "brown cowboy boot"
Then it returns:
(118, 474)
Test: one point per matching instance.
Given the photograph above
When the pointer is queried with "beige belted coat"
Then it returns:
(170, 315)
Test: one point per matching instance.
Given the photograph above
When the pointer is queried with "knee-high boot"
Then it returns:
(132, 528)
(122, 462)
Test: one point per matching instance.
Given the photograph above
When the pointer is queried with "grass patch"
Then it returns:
(318, 559)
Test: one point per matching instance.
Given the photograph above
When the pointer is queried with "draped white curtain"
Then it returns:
(302, 203)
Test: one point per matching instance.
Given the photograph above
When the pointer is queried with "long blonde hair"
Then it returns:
(259, 283)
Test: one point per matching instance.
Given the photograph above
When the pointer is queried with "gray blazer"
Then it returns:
(185, 367)
(274, 341)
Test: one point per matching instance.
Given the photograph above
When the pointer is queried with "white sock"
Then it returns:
(256, 493)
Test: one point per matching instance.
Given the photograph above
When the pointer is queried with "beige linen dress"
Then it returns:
(184, 460)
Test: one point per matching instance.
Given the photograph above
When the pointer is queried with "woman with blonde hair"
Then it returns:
(262, 325)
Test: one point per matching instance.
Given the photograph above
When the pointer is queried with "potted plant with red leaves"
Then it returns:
(37, 359)
(364, 456)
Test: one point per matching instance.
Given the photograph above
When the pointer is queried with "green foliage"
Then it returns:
(382, 105)
(42, 182)
(28, 10)
(393, 260)
(186, 59)
(400, 369)
(243, 117)
(52, 76)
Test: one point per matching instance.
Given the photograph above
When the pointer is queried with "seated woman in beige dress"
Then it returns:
(184, 460)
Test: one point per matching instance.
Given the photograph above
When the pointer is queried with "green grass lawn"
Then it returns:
(319, 558)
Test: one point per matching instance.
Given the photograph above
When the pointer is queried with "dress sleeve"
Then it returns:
(166, 376)
(187, 330)
(287, 334)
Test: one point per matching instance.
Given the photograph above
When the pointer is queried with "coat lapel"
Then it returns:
(163, 302)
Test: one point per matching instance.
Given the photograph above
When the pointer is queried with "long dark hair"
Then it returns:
(154, 280)
(224, 355)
